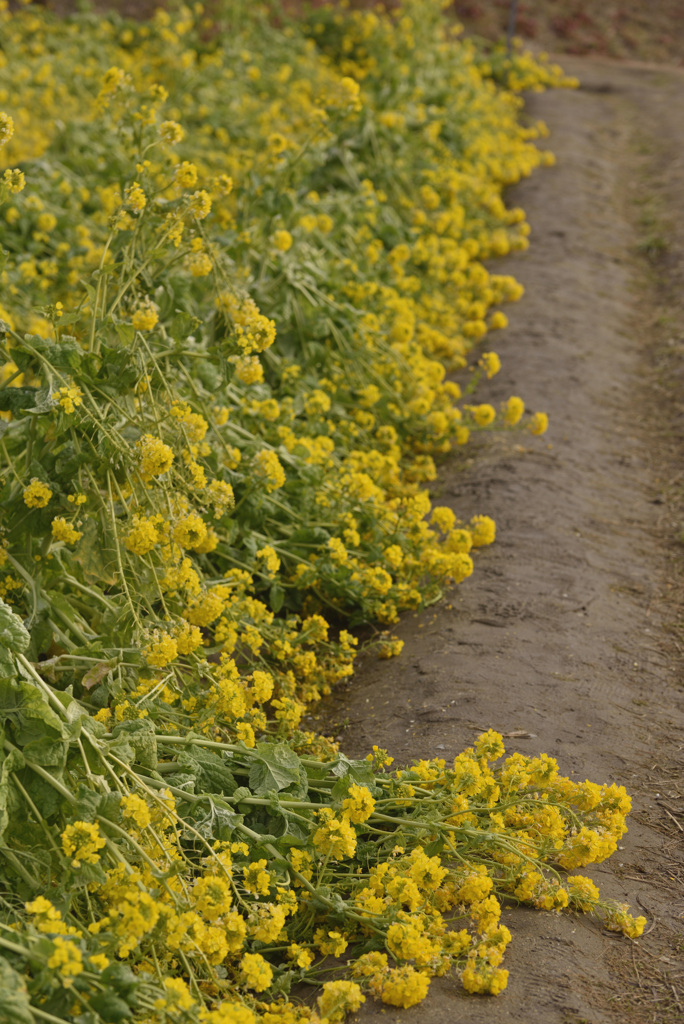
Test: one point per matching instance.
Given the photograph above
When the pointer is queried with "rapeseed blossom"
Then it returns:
(233, 341)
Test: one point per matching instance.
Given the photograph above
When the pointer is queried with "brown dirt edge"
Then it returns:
(571, 629)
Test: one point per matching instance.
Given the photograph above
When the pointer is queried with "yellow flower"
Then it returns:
(66, 959)
(68, 398)
(223, 183)
(335, 837)
(390, 648)
(200, 204)
(177, 996)
(490, 363)
(188, 638)
(268, 467)
(47, 222)
(256, 971)
(490, 745)
(200, 263)
(330, 943)
(99, 960)
(302, 957)
(220, 495)
(14, 181)
(61, 530)
(282, 240)
(161, 649)
(404, 986)
(539, 423)
(190, 531)
(339, 998)
(351, 90)
(145, 318)
(359, 805)
(81, 841)
(143, 534)
(245, 734)
(37, 494)
(317, 403)
(266, 921)
(230, 1013)
(171, 132)
(482, 531)
(513, 411)
(135, 198)
(186, 175)
(155, 456)
(135, 808)
(256, 879)
(270, 560)
(480, 977)
(483, 415)
(212, 897)
(6, 128)
(113, 80)
(276, 142)
(249, 370)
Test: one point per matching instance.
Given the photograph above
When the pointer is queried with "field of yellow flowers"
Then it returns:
(240, 259)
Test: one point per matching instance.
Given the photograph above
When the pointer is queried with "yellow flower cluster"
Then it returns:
(226, 344)
(64, 531)
(37, 494)
(82, 842)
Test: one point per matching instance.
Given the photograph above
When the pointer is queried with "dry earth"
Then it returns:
(567, 635)
(614, 28)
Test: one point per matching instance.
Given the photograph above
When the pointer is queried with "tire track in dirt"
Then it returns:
(559, 633)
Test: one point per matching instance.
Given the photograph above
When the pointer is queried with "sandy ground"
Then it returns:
(567, 633)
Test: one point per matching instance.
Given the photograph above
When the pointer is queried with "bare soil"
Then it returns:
(568, 637)
(616, 28)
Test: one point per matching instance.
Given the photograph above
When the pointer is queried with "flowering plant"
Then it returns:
(241, 259)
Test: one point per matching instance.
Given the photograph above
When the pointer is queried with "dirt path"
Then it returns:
(631, 28)
(561, 633)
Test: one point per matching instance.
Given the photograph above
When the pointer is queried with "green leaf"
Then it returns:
(13, 633)
(66, 354)
(46, 751)
(296, 831)
(435, 847)
(182, 325)
(276, 767)
(139, 735)
(13, 762)
(210, 771)
(15, 399)
(96, 554)
(8, 669)
(208, 374)
(41, 635)
(359, 772)
(43, 402)
(126, 332)
(110, 1007)
(219, 822)
(44, 795)
(29, 713)
(276, 597)
(15, 1005)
